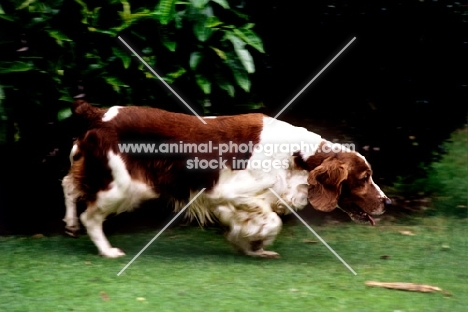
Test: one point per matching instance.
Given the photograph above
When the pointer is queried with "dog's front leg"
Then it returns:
(71, 194)
(250, 231)
(93, 219)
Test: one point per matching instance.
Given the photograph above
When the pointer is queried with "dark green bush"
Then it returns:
(202, 48)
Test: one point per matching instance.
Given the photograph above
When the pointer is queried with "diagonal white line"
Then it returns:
(160, 232)
(307, 85)
(310, 229)
(162, 80)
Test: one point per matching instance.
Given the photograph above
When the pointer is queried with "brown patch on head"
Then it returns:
(325, 184)
(343, 179)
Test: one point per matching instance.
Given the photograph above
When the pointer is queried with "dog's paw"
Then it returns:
(72, 230)
(269, 254)
(263, 254)
(113, 253)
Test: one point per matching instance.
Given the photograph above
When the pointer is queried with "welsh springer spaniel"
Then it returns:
(237, 159)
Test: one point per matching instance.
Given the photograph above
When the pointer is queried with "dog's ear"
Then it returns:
(325, 184)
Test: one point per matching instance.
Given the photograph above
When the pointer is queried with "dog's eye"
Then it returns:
(366, 177)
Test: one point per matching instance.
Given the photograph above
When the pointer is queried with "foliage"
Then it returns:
(446, 182)
(201, 47)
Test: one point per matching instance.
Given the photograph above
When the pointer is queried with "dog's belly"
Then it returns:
(123, 193)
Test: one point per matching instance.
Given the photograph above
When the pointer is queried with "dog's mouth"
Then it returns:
(358, 215)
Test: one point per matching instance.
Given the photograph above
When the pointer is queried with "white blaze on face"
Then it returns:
(111, 113)
(381, 194)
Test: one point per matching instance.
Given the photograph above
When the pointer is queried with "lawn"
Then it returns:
(192, 269)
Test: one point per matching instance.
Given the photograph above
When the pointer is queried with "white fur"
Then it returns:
(242, 200)
(111, 113)
(281, 132)
(381, 194)
(73, 152)
(124, 193)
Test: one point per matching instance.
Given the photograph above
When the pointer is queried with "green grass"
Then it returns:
(190, 269)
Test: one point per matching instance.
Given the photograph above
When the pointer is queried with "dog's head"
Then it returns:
(344, 180)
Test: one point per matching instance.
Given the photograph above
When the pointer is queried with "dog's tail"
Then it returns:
(85, 116)
(81, 108)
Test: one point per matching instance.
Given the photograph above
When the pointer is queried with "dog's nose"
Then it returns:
(387, 201)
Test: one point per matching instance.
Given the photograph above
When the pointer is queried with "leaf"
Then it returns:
(204, 19)
(25, 4)
(126, 12)
(107, 32)
(14, 67)
(165, 39)
(203, 83)
(170, 45)
(225, 85)
(220, 53)
(178, 19)
(201, 31)
(240, 75)
(84, 11)
(199, 3)
(176, 74)
(212, 21)
(244, 55)
(64, 113)
(241, 15)
(65, 96)
(115, 82)
(195, 58)
(250, 37)
(5, 16)
(247, 60)
(123, 56)
(166, 9)
(222, 3)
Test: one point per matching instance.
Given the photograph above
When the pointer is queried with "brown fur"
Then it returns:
(168, 174)
(325, 184)
(342, 179)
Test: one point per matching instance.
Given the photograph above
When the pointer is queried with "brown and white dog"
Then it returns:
(130, 154)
